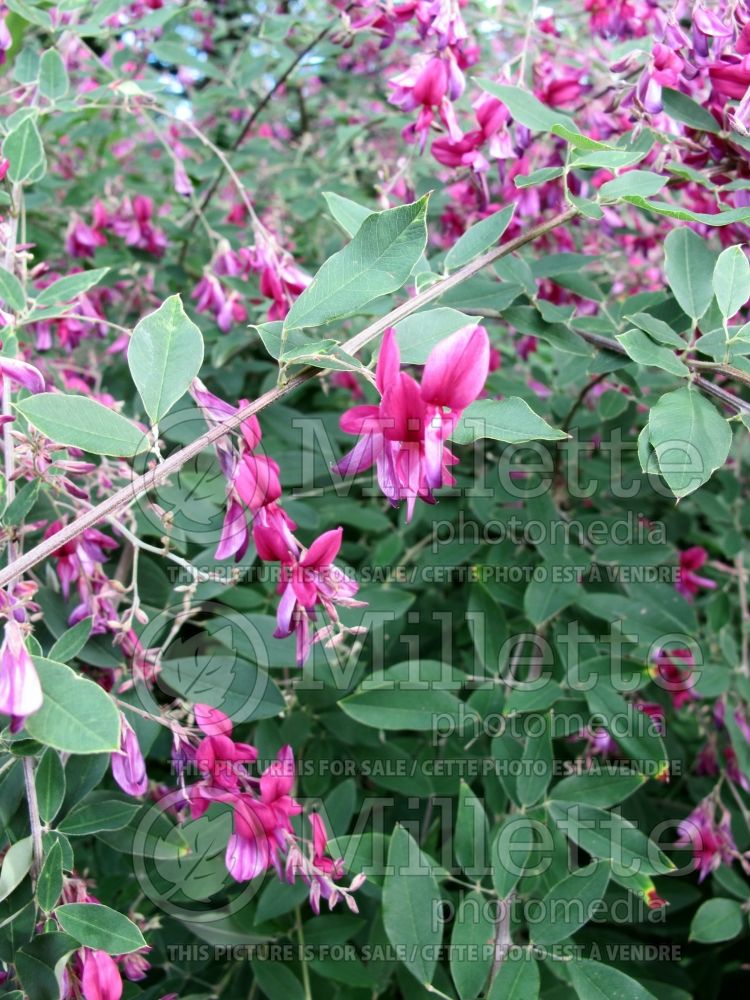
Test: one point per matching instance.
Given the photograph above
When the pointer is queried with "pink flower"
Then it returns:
(182, 183)
(132, 222)
(432, 81)
(688, 582)
(310, 581)
(730, 79)
(22, 373)
(712, 842)
(252, 480)
(405, 435)
(101, 978)
(128, 765)
(261, 825)
(280, 278)
(673, 671)
(81, 239)
(20, 690)
(220, 761)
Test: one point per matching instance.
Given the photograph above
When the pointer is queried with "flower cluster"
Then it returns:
(405, 435)
(263, 809)
(309, 577)
(281, 280)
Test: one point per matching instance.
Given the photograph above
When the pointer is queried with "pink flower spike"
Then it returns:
(101, 978)
(457, 369)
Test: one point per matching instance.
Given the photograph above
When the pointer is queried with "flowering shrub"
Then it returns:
(374, 411)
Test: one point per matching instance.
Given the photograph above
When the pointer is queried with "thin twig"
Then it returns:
(723, 395)
(253, 117)
(141, 485)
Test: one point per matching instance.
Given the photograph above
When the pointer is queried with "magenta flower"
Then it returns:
(20, 690)
(128, 765)
(712, 842)
(310, 581)
(263, 825)
(219, 760)
(688, 582)
(252, 480)
(101, 978)
(673, 671)
(431, 82)
(404, 437)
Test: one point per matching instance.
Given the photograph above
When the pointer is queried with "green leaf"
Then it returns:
(641, 348)
(716, 920)
(536, 764)
(11, 291)
(578, 140)
(689, 265)
(609, 159)
(640, 182)
(77, 716)
(18, 509)
(15, 866)
(525, 108)
(607, 835)
(70, 287)
(731, 281)
(277, 981)
(419, 333)
(80, 422)
(594, 981)
(538, 177)
(411, 905)
(70, 643)
(378, 260)
(50, 784)
(546, 596)
(53, 77)
(479, 238)
(511, 420)
(471, 945)
(96, 926)
(690, 437)
(240, 689)
(323, 354)
(50, 883)
(396, 706)
(570, 904)
(23, 149)
(471, 835)
(726, 217)
(349, 214)
(40, 965)
(684, 109)
(510, 853)
(635, 731)
(165, 354)
(516, 979)
(657, 329)
(598, 788)
(94, 817)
